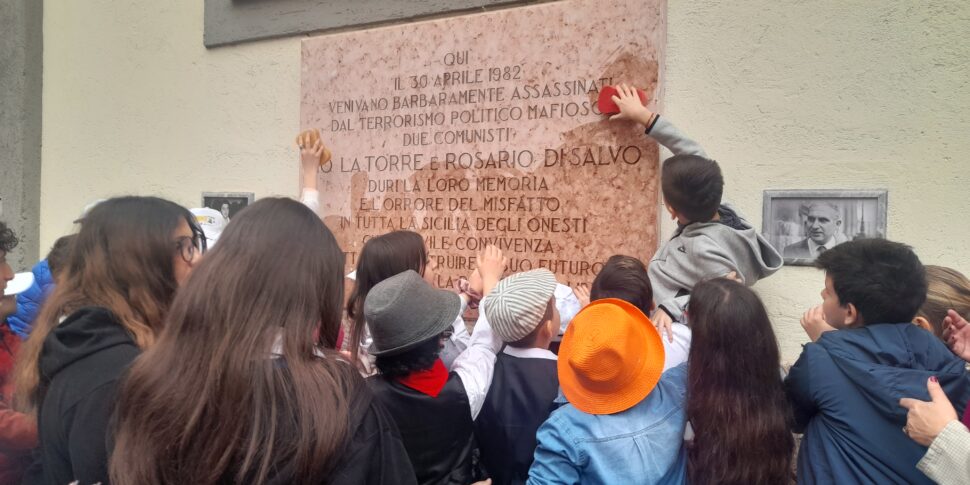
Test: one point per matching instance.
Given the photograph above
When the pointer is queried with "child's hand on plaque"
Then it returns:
(313, 153)
(631, 106)
(313, 156)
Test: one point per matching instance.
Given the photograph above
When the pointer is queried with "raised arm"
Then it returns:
(312, 151)
(470, 291)
(657, 128)
(476, 364)
(460, 337)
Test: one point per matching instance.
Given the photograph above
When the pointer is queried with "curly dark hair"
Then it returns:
(421, 357)
(8, 240)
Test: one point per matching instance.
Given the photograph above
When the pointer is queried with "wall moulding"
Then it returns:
(235, 21)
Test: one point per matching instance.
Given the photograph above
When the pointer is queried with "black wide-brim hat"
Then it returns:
(404, 311)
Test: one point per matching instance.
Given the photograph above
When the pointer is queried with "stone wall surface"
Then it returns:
(21, 45)
(785, 94)
(484, 129)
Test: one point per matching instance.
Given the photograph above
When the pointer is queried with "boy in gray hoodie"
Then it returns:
(712, 239)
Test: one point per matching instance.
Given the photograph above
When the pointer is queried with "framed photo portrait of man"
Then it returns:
(228, 203)
(801, 224)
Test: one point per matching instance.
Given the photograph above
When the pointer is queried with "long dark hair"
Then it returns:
(121, 259)
(235, 390)
(382, 257)
(735, 398)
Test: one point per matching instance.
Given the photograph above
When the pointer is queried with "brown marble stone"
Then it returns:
(483, 129)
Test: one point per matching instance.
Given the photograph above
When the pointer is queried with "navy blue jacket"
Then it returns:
(845, 392)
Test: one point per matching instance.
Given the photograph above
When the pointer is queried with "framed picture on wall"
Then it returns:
(228, 203)
(801, 224)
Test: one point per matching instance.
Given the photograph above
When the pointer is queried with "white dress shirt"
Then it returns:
(476, 365)
(311, 199)
(676, 352)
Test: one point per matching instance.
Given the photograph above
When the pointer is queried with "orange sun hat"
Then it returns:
(611, 357)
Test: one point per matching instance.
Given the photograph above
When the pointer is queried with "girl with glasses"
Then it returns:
(127, 260)
(236, 390)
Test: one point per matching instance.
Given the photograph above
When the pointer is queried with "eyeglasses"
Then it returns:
(189, 246)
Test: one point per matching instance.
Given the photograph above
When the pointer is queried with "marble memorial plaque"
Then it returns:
(483, 129)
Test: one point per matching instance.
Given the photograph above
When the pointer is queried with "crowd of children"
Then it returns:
(156, 346)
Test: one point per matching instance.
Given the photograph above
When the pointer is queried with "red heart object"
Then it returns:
(605, 102)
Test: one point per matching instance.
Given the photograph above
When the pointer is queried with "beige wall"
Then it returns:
(785, 94)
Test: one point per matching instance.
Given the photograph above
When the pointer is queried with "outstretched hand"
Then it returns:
(925, 420)
(956, 334)
(631, 108)
(313, 155)
(491, 265)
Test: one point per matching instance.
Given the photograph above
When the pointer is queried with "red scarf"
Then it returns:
(430, 381)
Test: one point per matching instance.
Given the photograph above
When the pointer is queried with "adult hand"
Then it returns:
(631, 108)
(664, 323)
(956, 334)
(491, 265)
(582, 294)
(813, 321)
(925, 420)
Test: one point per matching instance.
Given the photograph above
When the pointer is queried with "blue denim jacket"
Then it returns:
(644, 444)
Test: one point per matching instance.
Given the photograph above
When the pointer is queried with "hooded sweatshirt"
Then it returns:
(81, 363)
(845, 391)
(702, 250)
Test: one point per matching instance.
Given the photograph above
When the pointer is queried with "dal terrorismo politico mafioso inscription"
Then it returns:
(483, 129)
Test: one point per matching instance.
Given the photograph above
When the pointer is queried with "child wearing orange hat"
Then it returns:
(622, 421)
(626, 278)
